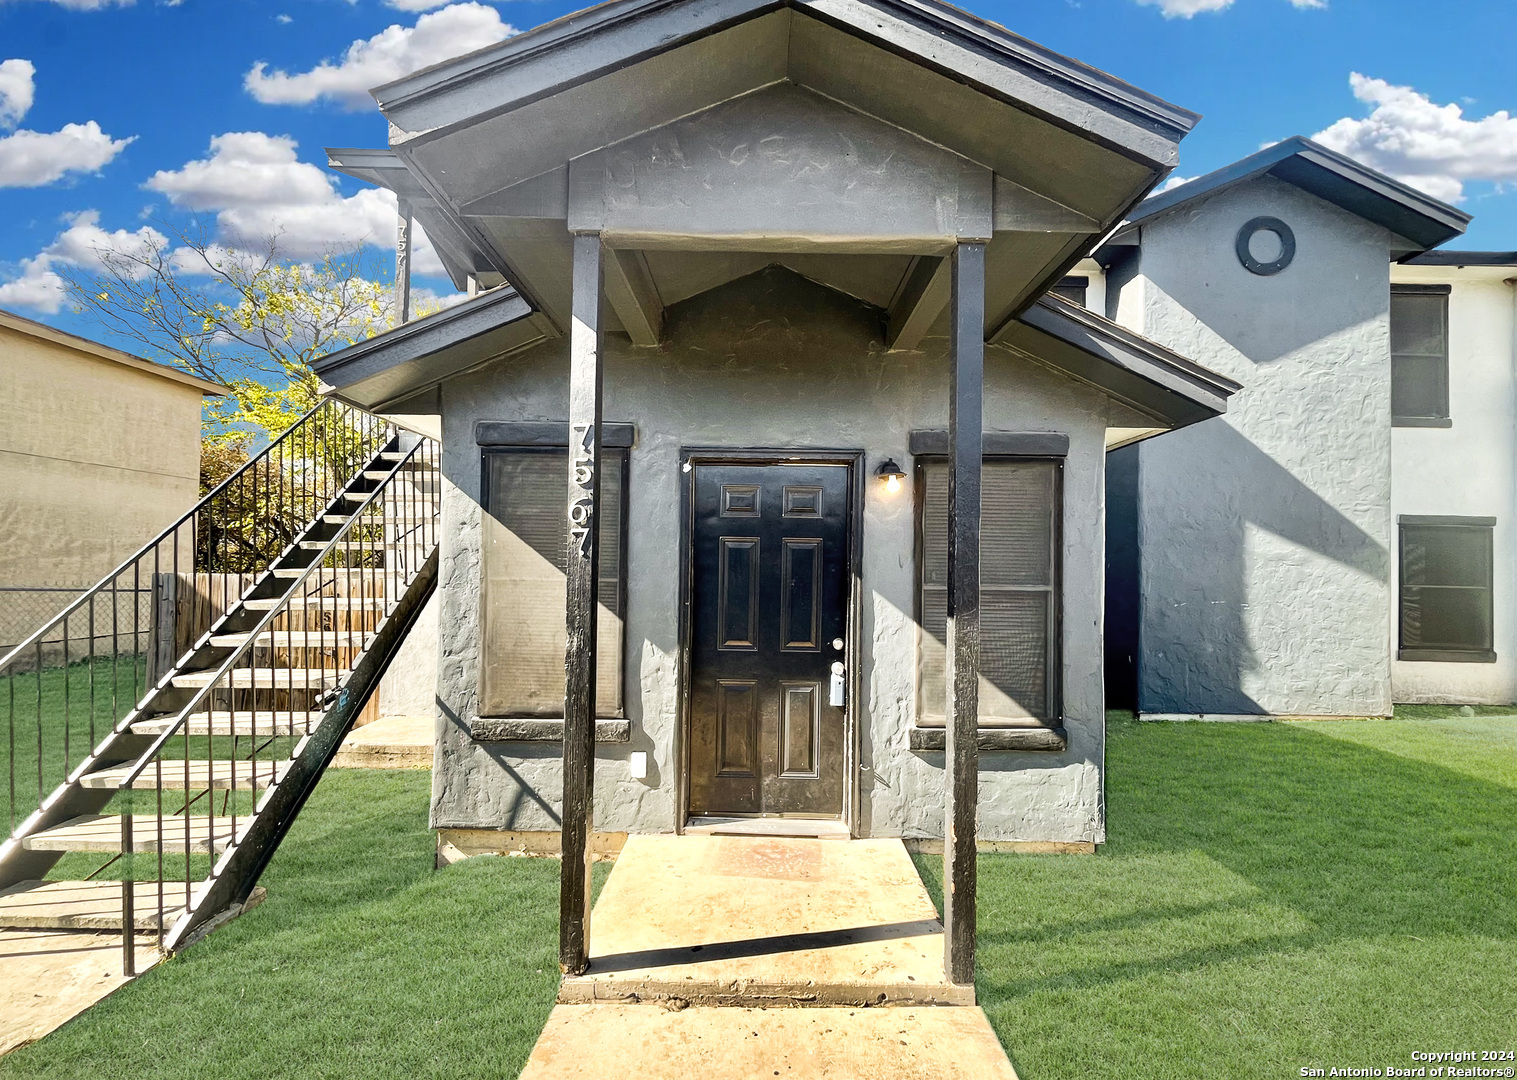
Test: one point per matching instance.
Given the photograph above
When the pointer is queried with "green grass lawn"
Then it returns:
(1273, 896)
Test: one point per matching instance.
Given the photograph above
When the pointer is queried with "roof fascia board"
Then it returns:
(476, 240)
(1463, 258)
(571, 51)
(96, 351)
(1106, 340)
(414, 340)
(1404, 207)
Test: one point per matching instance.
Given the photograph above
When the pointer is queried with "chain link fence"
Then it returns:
(24, 609)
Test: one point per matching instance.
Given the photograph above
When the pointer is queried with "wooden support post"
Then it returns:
(403, 263)
(583, 572)
(966, 351)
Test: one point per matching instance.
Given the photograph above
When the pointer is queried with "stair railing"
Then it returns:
(75, 682)
(262, 704)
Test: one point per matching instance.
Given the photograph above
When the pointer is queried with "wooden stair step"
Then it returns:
(86, 905)
(407, 499)
(350, 545)
(266, 722)
(275, 678)
(325, 602)
(329, 571)
(102, 832)
(378, 519)
(430, 477)
(297, 639)
(193, 776)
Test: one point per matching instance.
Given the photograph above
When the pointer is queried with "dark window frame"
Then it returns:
(1054, 661)
(502, 439)
(1442, 418)
(1445, 654)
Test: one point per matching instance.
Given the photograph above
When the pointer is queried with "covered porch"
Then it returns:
(714, 239)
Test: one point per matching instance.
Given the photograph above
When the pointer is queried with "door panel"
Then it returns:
(769, 593)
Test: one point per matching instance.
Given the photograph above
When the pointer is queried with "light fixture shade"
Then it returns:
(889, 470)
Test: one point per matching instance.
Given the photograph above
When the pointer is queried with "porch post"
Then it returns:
(966, 349)
(583, 572)
(403, 263)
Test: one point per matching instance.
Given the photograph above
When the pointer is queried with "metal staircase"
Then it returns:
(163, 731)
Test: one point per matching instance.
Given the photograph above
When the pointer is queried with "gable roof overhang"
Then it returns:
(1156, 381)
(401, 371)
(499, 148)
(1421, 220)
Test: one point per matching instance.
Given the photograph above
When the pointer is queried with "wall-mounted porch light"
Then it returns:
(891, 473)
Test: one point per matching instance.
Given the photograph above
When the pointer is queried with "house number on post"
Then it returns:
(583, 467)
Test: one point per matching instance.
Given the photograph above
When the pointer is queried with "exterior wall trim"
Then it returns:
(934, 442)
(548, 433)
(1445, 519)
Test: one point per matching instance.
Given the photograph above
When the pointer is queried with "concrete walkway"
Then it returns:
(722, 957)
(48, 977)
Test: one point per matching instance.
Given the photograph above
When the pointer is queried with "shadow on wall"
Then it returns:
(1223, 483)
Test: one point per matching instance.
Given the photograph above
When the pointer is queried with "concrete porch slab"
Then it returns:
(609, 1042)
(391, 742)
(729, 920)
(48, 977)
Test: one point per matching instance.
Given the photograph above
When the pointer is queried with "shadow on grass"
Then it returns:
(1271, 897)
(363, 961)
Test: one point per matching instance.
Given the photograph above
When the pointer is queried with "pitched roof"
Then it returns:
(9, 320)
(400, 370)
(1330, 176)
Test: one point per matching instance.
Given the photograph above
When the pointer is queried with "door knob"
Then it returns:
(837, 643)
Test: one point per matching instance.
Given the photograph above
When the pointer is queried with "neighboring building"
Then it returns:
(1343, 538)
(1454, 477)
(772, 206)
(99, 452)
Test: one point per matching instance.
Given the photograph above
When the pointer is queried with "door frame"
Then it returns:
(692, 456)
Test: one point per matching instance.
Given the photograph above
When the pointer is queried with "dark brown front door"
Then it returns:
(769, 551)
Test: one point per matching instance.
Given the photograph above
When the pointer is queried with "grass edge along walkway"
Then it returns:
(1273, 897)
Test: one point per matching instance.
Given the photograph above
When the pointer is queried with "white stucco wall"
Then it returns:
(1467, 470)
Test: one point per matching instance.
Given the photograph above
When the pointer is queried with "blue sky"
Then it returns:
(113, 112)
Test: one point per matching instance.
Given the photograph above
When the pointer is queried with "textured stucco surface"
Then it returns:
(773, 361)
(96, 457)
(1266, 533)
(1468, 469)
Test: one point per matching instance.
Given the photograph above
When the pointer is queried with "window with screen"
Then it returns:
(1420, 355)
(522, 573)
(1020, 511)
(1446, 594)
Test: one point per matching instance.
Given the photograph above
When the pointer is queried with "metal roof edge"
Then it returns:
(94, 349)
(1075, 325)
(1441, 215)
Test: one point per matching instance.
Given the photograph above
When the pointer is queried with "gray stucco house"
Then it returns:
(780, 238)
(1327, 547)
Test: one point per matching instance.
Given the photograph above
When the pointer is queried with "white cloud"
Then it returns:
(1434, 148)
(1188, 9)
(16, 91)
(90, 5)
(1175, 181)
(258, 187)
(38, 285)
(34, 158)
(395, 51)
(283, 20)
(414, 5)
